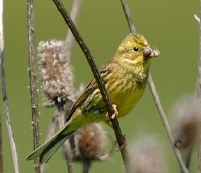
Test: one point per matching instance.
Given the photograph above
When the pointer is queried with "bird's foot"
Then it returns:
(123, 145)
(115, 112)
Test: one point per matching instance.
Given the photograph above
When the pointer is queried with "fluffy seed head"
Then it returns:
(89, 143)
(55, 71)
(145, 156)
(185, 121)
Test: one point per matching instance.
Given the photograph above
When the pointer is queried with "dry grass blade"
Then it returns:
(32, 77)
(89, 57)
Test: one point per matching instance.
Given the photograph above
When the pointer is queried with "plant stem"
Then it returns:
(1, 47)
(155, 95)
(128, 16)
(61, 121)
(32, 77)
(4, 94)
(198, 94)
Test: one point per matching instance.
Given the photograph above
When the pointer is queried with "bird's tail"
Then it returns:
(46, 150)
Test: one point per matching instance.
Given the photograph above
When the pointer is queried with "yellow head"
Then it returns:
(134, 55)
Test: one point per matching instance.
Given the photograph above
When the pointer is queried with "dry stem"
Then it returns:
(1, 48)
(32, 77)
(155, 95)
(128, 16)
(198, 93)
(4, 94)
(61, 121)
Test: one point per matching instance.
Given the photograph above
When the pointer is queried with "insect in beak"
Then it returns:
(149, 52)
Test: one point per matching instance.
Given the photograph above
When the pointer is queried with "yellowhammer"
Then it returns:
(125, 77)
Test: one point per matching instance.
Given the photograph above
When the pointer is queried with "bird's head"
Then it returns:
(134, 53)
(136, 48)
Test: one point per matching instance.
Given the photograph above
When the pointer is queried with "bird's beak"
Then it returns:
(150, 53)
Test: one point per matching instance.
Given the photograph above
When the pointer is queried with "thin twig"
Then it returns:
(32, 77)
(4, 94)
(165, 123)
(90, 59)
(198, 93)
(187, 158)
(74, 14)
(156, 96)
(198, 89)
(128, 16)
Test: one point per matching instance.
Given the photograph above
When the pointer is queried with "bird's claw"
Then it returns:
(123, 145)
(115, 112)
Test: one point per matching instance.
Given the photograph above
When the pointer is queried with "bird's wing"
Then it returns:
(107, 68)
(89, 89)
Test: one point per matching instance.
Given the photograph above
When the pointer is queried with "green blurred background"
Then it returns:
(167, 25)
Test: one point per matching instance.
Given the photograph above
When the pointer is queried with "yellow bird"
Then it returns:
(125, 77)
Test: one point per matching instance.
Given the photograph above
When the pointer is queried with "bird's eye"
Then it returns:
(135, 49)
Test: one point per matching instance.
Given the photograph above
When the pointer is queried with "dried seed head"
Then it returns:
(185, 121)
(145, 157)
(89, 143)
(55, 71)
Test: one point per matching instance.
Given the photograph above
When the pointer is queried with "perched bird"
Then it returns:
(125, 77)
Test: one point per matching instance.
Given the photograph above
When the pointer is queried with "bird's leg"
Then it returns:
(115, 112)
